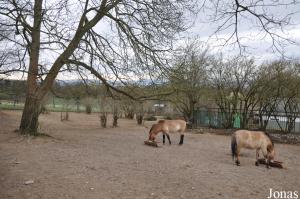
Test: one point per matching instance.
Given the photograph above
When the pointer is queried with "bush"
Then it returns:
(151, 118)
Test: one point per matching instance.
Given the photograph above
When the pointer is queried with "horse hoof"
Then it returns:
(256, 163)
(238, 164)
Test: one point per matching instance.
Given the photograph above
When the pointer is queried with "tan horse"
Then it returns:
(258, 140)
(166, 127)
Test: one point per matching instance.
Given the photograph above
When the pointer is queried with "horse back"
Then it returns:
(250, 139)
(174, 125)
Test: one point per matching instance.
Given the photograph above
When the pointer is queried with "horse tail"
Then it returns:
(233, 146)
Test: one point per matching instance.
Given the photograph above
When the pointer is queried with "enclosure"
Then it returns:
(283, 122)
(83, 160)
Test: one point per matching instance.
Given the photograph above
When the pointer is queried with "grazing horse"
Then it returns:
(166, 127)
(258, 140)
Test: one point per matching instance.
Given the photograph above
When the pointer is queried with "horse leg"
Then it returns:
(168, 138)
(181, 138)
(257, 156)
(267, 159)
(237, 157)
(164, 138)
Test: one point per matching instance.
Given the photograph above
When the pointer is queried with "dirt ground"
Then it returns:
(83, 161)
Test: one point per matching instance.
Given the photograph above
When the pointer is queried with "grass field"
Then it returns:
(58, 106)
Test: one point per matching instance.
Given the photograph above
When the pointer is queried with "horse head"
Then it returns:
(151, 133)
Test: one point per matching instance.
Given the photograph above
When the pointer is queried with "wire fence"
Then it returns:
(254, 120)
(58, 106)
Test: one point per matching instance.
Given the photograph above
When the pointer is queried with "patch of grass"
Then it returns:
(8, 106)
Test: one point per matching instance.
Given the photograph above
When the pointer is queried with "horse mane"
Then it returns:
(152, 128)
(268, 135)
(161, 121)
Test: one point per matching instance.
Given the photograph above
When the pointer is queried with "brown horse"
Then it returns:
(258, 140)
(166, 127)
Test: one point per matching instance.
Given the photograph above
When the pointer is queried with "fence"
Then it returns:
(278, 121)
(55, 104)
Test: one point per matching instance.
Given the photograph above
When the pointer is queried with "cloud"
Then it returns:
(258, 44)
(250, 31)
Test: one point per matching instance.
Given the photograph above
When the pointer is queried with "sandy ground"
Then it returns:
(84, 161)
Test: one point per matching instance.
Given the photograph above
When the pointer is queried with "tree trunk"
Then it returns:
(103, 120)
(139, 119)
(29, 121)
(115, 120)
(31, 112)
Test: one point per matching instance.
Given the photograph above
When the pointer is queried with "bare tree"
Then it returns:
(141, 33)
(128, 107)
(140, 113)
(64, 114)
(115, 111)
(269, 19)
(233, 81)
(279, 92)
(88, 103)
(189, 76)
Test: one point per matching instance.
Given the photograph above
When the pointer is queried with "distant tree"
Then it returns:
(115, 110)
(64, 113)
(15, 89)
(103, 105)
(188, 77)
(279, 92)
(128, 107)
(233, 82)
(88, 103)
(140, 113)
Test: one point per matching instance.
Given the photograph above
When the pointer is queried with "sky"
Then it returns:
(258, 47)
